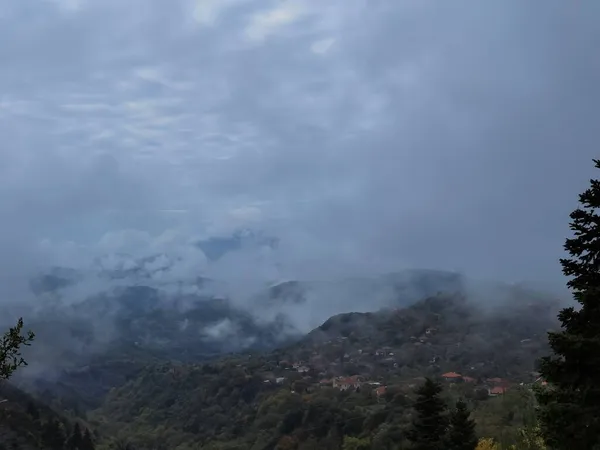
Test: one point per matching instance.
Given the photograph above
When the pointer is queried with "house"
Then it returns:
(497, 390)
(279, 380)
(326, 382)
(451, 376)
(469, 379)
(380, 391)
(344, 384)
(302, 369)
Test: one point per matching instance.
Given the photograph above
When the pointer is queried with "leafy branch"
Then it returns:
(10, 349)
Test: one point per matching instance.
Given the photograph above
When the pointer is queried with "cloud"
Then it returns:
(207, 12)
(322, 46)
(267, 22)
(365, 136)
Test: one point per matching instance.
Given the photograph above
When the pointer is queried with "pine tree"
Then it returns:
(33, 411)
(76, 439)
(53, 435)
(461, 430)
(87, 443)
(430, 422)
(569, 408)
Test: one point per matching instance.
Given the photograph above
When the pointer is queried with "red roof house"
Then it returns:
(451, 376)
(380, 391)
(498, 390)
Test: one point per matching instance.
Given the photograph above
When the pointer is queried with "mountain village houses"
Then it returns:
(336, 362)
(493, 386)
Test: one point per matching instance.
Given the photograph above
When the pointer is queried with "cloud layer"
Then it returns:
(365, 136)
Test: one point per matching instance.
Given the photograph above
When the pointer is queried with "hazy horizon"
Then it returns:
(361, 137)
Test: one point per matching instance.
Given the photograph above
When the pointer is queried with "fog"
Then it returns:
(351, 138)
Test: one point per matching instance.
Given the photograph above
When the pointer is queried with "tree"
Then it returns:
(354, 443)
(569, 408)
(53, 435)
(10, 349)
(487, 444)
(121, 444)
(33, 411)
(87, 443)
(429, 424)
(461, 430)
(529, 438)
(75, 441)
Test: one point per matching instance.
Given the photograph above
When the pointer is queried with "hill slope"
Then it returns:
(28, 424)
(304, 394)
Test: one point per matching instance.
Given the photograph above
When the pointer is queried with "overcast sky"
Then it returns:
(367, 135)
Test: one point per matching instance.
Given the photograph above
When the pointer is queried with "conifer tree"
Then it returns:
(429, 422)
(33, 411)
(53, 435)
(87, 442)
(569, 407)
(76, 439)
(461, 429)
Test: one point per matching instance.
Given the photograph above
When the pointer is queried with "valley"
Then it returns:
(165, 382)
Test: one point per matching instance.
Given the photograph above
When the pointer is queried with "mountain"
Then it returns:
(89, 346)
(28, 424)
(351, 377)
(83, 351)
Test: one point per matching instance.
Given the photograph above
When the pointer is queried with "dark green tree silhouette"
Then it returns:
(87, 442)
(10, 349)
(569, 406)
(75, 441)
(33, 412)
(53, 435)
(429, 422)
(461, 430)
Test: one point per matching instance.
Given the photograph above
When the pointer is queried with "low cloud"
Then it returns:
(364, 137)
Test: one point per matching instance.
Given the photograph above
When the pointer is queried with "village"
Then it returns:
(338, 366)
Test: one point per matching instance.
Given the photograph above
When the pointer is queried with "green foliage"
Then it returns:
(502, 417)
(461, 429)
(487, 444)
(569, 410)
(236, 402)
(10, 349)
(353, 443)
(75, 441)
(53, 435)
(430, 421)
(87, 442)
(530, 438)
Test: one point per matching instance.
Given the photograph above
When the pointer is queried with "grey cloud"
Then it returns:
(427, 134)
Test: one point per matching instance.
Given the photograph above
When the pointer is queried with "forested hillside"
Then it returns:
(353, 377)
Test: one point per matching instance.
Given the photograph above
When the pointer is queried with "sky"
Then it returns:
(365, 136)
